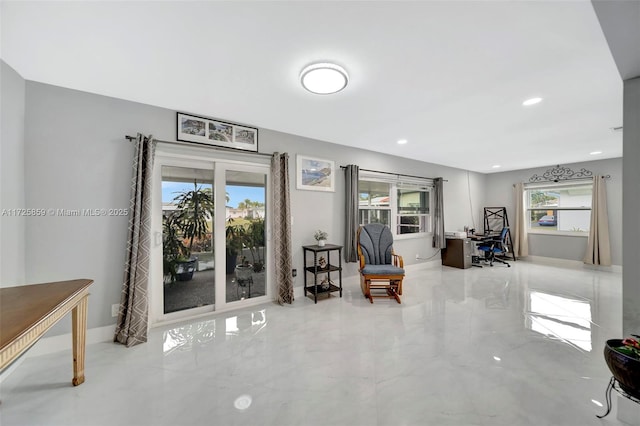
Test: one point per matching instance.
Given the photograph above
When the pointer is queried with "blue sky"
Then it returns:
(236, 193)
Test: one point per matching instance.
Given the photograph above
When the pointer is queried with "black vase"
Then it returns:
(624, 368)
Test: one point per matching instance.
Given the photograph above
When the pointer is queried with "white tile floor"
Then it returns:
(492, 346)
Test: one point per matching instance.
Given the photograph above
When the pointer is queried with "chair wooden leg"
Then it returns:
(391, 292)
(398, 290)
(392, 286)
(365, 284)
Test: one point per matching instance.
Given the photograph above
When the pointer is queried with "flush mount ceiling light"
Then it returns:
(532, 101)
(401, 141)
(324, 78)
(595, 152)
(496, 166)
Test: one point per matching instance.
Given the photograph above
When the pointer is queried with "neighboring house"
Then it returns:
(251, 213)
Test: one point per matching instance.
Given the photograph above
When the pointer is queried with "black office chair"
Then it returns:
(496, 246)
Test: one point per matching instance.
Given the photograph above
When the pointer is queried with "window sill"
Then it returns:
(560, 233)
(412, 236)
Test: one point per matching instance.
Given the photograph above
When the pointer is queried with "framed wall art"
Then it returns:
(209, 131)
(315, 174)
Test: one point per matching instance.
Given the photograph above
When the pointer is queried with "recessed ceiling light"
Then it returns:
(595, 153)
(532, 101)
(324, 78)
(402, 141)
(497, 166)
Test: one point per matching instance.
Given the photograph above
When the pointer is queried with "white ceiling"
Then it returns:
(449, 76)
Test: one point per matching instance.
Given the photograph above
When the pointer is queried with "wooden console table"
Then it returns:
(27, 312)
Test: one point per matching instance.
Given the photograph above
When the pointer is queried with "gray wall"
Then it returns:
(77, 158)
(313, 210)
(500, 193)
(12, 228)
(631, 208)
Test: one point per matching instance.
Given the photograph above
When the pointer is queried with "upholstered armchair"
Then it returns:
(380, 268)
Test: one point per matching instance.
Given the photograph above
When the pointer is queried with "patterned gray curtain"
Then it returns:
(351, 173)
(439, 240)
(598, 247)
(282, 227)
(131, 327)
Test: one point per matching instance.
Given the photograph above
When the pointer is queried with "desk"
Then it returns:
(482, 237)
(27, 312)
(457, 253)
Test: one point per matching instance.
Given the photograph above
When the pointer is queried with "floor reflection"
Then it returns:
(515, 346)
(185, 337)
(560, 317)
(201, 333)
(498, 297)
(247, 323)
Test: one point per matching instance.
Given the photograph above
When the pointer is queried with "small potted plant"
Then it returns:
(176, 258)
(235, 236)
(321, 237)
(189, 222)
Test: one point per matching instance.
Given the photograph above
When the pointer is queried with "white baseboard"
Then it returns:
(48, 345)
(566, 263)
(298, 292)
(433, 263)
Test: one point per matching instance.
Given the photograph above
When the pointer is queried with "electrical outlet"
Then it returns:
(294, 272)
(114, 309)
(417, 256)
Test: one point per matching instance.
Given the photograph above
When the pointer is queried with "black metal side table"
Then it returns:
(315, 269)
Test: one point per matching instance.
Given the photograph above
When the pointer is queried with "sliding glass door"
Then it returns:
(246, 234)
(210, 250)
(188, 212)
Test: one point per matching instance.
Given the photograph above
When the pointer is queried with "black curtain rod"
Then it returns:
(220, 148)
(395, 174)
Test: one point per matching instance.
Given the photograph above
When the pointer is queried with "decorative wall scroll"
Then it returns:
(559, 173)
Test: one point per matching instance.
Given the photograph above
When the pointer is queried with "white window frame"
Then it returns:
(396, 183)
(554, 186)
(370, 207)
(202, 158)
